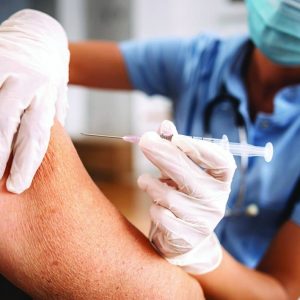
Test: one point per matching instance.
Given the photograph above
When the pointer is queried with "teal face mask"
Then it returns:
(275, 29)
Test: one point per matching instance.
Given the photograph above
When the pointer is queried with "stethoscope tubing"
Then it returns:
(239, 208)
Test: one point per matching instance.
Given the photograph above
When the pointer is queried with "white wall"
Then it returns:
(95, 110)
(72, 15)
(187, 17)
(109, 112)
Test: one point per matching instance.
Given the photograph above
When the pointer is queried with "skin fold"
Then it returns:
(62, 239)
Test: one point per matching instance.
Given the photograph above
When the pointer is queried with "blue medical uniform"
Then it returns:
(193, 73)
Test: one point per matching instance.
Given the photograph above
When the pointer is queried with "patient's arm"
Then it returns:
(63, 239)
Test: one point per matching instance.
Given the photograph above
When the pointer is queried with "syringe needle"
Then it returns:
(102, 136)
(127, 138)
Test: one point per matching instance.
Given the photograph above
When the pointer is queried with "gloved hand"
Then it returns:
(34, 60)
(190, 200)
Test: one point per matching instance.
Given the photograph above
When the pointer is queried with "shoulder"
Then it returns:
(184, 46)
(209, 56)
(210, 50)
(204, 46)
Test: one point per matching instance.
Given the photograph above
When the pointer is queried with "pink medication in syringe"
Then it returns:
(134, 139)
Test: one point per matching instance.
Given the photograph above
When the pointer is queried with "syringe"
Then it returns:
(237, 149)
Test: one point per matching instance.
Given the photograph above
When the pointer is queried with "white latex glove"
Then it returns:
(34, 61)
(187, 209)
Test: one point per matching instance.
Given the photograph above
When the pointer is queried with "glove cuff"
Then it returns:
(203, 258)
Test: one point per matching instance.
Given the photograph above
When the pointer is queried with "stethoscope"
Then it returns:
(252, 209)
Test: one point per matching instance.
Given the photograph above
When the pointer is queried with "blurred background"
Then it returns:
(115, 165)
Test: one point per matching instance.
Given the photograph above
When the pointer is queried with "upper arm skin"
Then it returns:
(62, 239)
(98, 64)
(282, 261)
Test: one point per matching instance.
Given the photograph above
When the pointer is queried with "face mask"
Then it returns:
(275, 29)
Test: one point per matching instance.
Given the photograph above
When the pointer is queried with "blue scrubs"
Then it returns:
(193, 73)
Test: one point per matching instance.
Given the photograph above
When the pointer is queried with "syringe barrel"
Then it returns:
(239, 149)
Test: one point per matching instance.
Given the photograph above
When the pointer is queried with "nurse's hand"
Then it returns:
(189, 201)
(34, 60)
